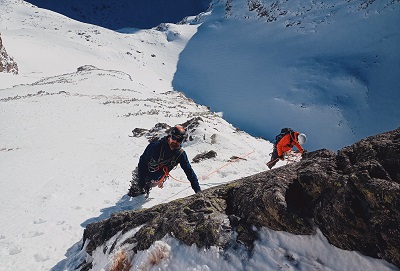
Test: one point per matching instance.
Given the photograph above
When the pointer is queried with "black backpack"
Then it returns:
(284, 131)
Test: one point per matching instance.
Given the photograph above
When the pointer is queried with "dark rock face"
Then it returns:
(204, 156)
(161, 129)
(353, 197)
(7, 63)
(363, 212)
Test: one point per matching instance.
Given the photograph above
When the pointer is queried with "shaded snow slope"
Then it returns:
(333, 74)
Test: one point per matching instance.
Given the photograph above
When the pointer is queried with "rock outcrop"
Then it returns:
(352, 196)
(7, 63)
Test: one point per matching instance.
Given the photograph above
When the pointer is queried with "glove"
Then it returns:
(281, 157)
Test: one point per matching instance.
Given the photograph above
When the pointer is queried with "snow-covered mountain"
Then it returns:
(328, 68)
(324, 68)
(66, 143)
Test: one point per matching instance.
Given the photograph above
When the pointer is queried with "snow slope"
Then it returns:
(148, 55)
(67, 149)
(67, 152)
(329, 69)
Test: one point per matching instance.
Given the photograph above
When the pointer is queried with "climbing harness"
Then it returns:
(162, 180)
(154, 165)
(165, 176)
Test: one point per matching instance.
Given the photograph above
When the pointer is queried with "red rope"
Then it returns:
(166, 173)
(178, 180)
(160, 183)
(204, 177)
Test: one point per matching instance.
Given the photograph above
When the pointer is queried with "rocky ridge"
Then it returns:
(352, 196)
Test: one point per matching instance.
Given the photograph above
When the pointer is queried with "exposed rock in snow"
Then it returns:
(7, 63)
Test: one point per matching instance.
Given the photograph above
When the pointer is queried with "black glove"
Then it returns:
(281, 157)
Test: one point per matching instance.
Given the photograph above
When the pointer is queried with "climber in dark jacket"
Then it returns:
(159, 158)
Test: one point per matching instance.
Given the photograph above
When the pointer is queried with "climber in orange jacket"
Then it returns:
(285, 144)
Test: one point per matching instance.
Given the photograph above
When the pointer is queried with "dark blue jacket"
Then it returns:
(157, 155)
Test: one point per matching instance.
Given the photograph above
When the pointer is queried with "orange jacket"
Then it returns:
(286, 144)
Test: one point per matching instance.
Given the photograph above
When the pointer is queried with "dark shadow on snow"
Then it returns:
(126, 203)
(75, 255)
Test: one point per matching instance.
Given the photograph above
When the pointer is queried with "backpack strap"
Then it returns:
(291, 134)
(175, 160)
(154, 165)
